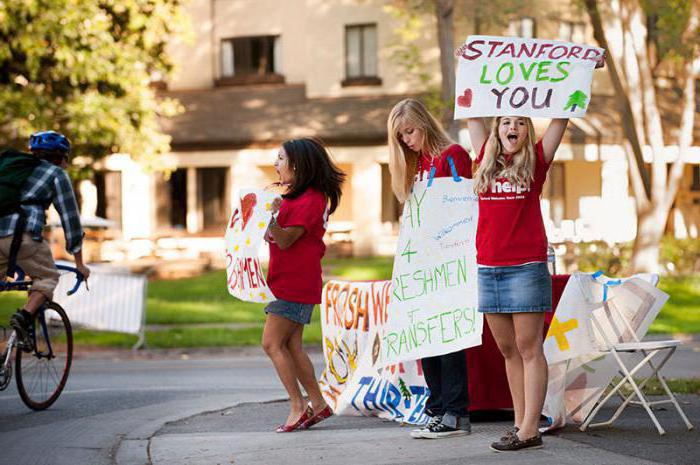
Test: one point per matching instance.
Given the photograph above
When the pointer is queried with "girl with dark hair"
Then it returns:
(311, 184)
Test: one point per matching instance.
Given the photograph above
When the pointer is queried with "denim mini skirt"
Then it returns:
(299, 313)
(515, 289)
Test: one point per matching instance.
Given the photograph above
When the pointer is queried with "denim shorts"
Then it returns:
(299, 313)
(515, 289)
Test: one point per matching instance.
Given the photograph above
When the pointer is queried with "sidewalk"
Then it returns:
(243, 435)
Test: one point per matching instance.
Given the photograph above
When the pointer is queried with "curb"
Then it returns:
(134, 448)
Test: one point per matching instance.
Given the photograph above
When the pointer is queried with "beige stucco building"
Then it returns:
(258, 72)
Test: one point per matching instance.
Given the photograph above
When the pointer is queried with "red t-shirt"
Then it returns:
(510, 229)
(294, 274)
(463, 164)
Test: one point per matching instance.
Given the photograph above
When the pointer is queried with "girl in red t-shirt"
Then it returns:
(515, 288)
(311, 184)
(417, 144)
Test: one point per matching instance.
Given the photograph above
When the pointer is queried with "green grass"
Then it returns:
(679, 386)
(360, 269)
(681, 314)
(204, 299)
(188, 337)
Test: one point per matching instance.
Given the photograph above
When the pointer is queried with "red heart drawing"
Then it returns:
(234, 219)
(247, 203)
(466, 99)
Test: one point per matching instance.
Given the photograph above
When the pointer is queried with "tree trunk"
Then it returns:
(444, 10)
(651, 225)
(624, 107)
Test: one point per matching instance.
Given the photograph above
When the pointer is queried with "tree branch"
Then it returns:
(444, 11)
(624, 108)
(685, 135)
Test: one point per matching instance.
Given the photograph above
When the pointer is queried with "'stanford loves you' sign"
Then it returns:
(244, 235)
(511, 76)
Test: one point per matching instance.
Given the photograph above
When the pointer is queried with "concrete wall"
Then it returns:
(312, 42)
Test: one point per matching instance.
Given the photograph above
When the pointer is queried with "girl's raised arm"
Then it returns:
(552, 137)
(477, 134)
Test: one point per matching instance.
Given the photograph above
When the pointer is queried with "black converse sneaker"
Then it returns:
(442, 430)
(418, 433)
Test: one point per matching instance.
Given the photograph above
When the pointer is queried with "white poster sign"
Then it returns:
(434, 295)
(244, 236)
(512, 76)
(575, 384)
(354, 381)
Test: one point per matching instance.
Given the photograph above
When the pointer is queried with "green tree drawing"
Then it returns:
(404, 389)
(576, 99)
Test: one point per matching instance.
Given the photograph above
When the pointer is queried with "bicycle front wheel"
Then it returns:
(42, 373)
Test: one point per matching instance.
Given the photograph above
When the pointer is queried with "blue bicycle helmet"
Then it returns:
(49, 140)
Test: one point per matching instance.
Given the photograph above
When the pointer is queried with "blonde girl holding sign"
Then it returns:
(418, 145)
(515, 287)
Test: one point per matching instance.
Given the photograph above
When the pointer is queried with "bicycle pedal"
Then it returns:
(25, 347)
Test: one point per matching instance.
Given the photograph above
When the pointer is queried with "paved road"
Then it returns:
(117, 409)
(107, 401)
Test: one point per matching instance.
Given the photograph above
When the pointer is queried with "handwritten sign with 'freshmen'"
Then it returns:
(511, 76)
(433, 303)
(244, 235)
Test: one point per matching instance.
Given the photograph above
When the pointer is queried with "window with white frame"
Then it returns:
(361, 55)
(522, 27)
(695, 185)
(251, 59)
(171, 200)
(213, 196)
(109, 195)
(572, 31)
(554, 191)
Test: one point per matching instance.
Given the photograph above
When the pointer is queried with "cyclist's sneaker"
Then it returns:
(418, 433)
(441, 430)
(21, 322)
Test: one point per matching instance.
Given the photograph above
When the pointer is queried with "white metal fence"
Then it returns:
(115, 302)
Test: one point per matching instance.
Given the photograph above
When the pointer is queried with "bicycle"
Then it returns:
(41, 372)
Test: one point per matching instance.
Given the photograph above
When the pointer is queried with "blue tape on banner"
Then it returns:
(431, 176)
(455, 176)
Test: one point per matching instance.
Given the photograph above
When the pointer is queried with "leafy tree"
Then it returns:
(448, 17)
(651, 43)
(85, 67)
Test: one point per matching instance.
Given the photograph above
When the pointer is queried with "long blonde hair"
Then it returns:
(519, 172)
(403, 160)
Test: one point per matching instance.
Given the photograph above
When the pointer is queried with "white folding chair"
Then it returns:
(610, 329)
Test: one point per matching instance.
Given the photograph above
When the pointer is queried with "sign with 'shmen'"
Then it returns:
(245, 278)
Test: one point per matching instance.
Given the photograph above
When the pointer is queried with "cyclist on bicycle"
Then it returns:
(21, 240)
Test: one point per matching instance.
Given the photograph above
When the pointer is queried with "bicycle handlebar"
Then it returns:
(79, 277)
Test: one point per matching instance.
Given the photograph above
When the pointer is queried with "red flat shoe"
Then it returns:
(306, 416)
(320, 416)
